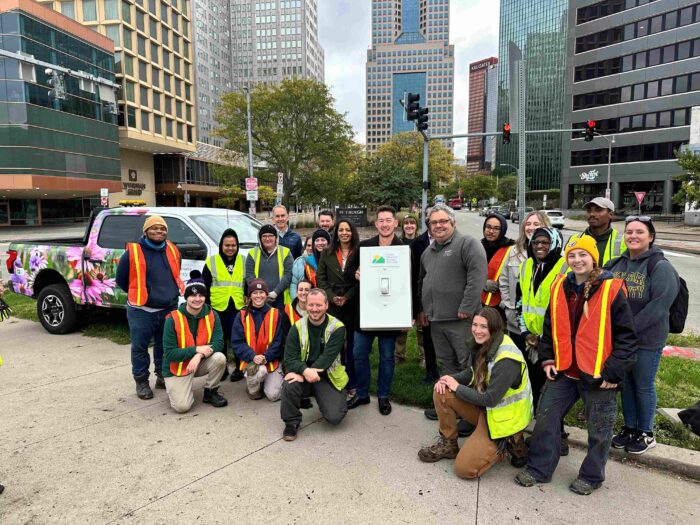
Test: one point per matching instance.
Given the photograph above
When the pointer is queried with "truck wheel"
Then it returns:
(56, 309)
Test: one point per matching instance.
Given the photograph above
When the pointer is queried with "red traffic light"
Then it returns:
(506, 133)
(591, 124)
(506, 127)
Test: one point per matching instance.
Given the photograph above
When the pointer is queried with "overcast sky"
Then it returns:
(345, 34)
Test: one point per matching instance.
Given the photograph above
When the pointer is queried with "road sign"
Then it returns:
(459, 192)
(104, 201)
(280, 178)
(640, 196)
(251, 195)
(104, 192)
(280, 189)
(251, 210)
(251, 184)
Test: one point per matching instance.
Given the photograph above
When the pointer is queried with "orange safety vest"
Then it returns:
(593, 338)
(495, 268)
(260, 342)
(291, 313)
(138, 293)
(205, 329)
(310, 274)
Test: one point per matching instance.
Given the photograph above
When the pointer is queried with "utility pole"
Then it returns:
(250, 138)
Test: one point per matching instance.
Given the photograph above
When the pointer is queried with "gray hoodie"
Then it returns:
(650, 297)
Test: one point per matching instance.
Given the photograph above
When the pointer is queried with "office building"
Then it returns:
(153, 55)
(410, 53)
(59, 142)
(272, 41)
(483, 96)
(539, 28)
(634, 68)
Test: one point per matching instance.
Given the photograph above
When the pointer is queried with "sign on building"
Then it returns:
(357, 216)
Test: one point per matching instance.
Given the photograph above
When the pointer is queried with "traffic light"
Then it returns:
(506, 133)
(422, 120)
(590, 130)
(412, 106)
(55, 80)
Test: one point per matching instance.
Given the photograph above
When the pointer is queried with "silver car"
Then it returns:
(556, 217)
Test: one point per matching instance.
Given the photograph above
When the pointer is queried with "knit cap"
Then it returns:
(154, 220)
(257, 284)
(195, 285)
(586, 243)
(266, 228)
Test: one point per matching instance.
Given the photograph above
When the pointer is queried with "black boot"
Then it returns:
(2, 489)
(564, 444)
(212, 396)
(223, 377)
(160, 382)
(236, 375)
(143, 389)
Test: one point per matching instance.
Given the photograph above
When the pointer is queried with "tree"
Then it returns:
(479, 187)
(689, 192)
(508, 188)
(295, 128)
(229, 178)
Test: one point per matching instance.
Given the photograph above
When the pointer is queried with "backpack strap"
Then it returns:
(653, 261)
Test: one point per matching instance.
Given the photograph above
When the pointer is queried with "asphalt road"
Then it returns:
(687, 265)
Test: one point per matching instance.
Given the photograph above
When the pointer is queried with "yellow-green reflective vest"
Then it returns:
(534, 304)
(614, 248)
(514, 412)
(281, 256)
(336, 372)
(224, 285)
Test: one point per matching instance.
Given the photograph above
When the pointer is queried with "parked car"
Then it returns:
(439, 199)
(455, 203)
(503, 211)
(556, 217)
(483, 212)
(515, 215)
(69, 275)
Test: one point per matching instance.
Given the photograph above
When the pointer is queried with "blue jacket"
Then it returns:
(162, 289)
(240, 346)
(291, 240)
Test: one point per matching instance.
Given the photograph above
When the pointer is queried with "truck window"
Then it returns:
(117, 230)
(179, 234)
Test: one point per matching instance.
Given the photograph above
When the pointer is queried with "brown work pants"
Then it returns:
(479, 452)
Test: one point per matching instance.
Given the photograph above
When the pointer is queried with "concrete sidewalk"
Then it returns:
(77, 446)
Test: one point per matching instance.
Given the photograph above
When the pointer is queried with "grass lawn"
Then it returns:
(678, 380)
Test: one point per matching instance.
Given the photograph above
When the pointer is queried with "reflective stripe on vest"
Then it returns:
(205, 331)
(336, 372)
(292, 314)
(495, 268)
(514, 412)
(224, 285)
(261, 341)
(593, 338)
(138, 291)
(613, 248)
(282, 253)
(534, 304)
(310, 274)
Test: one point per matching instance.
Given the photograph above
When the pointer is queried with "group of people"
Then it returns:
(506, 329)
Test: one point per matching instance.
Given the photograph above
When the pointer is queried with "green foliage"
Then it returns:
(479, 187)
(229, 178)
(296, 130)
(689, 191)
(333, 185)
(507, 188)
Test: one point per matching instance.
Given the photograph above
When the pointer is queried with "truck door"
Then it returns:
(192, 248)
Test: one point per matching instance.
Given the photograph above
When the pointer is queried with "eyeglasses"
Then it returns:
(441, 222)
(640, 218)
(541, 243)
(492, 228)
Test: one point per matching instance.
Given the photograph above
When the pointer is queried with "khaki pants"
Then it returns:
(400, 351)
(271, 382)
(479, 452)
(180, 388)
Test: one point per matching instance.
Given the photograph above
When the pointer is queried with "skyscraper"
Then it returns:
(410, 53)
(271, 41)
(483, 92)
(539, 28)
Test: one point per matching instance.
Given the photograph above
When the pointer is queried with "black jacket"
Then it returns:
(624, 338)
(418, 246)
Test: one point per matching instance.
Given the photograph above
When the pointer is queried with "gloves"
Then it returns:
(271, 297)
(491, 286)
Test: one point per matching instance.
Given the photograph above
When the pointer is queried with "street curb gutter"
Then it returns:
(692, 251)
(677, 460)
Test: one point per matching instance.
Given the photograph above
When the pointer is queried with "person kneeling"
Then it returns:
(193, 345)
(256, 339)
(312, 361)
(493, 394)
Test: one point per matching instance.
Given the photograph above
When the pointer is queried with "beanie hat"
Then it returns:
(586, 243)
(266, 228)
(195, 285)
(154, 220)
(409, 216)
(320, 233)
(257, 284)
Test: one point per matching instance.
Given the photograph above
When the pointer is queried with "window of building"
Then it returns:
(126, 12)
(667, 86)
(111, 9)
(638, 92)
(669, 53)
(143, 96)
(652, 89)
(145, 120)
(640, 60)
(654, 57)
(89, 10)
(157, 124)
(112, 32)
(665, 119)
(126, 37)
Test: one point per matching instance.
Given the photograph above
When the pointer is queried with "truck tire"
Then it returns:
(56, 309)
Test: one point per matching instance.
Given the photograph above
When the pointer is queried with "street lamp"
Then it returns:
(183, 183)
(250, 136)
(611, 141)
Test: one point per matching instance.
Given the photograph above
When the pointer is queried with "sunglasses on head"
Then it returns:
(640, 218)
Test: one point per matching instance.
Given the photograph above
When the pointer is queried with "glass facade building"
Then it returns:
(410, 53)
(59, 139)
(539, 28)
(483, 94)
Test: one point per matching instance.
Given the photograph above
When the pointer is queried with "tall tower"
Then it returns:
(410, 53)
(271, 41)
(483, 92)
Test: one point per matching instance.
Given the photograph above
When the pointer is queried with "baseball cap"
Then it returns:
(601, 202)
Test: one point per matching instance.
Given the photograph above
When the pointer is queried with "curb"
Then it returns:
(682, 249)
(677, 460)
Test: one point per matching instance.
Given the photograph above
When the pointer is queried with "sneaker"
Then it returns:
(624, 437)
(642, 442)
(582, 487)
(212, 397)
(290, 432)
(443, 449)
(525, 479)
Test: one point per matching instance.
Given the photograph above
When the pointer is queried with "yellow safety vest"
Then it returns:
(614, 248)
(224, 285)
(514, 412)
(534, 304)
(282, 253)
(336, 372)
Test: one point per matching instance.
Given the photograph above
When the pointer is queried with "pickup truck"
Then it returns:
(68, 275)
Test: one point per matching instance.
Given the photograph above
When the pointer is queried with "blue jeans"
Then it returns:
(558, 397)
(639, 391)
(363, 372)
(348, 358)
(144, 326)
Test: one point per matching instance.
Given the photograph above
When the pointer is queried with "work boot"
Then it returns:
(212, 396)
(143, 389)
(223, 377)
(306, 403)
(160, 382)
(564, 444)
(431, 414)
(290, 431)
(443, 449)
(465, 428)
(236, 375)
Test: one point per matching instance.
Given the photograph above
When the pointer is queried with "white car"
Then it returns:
(556, 217)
